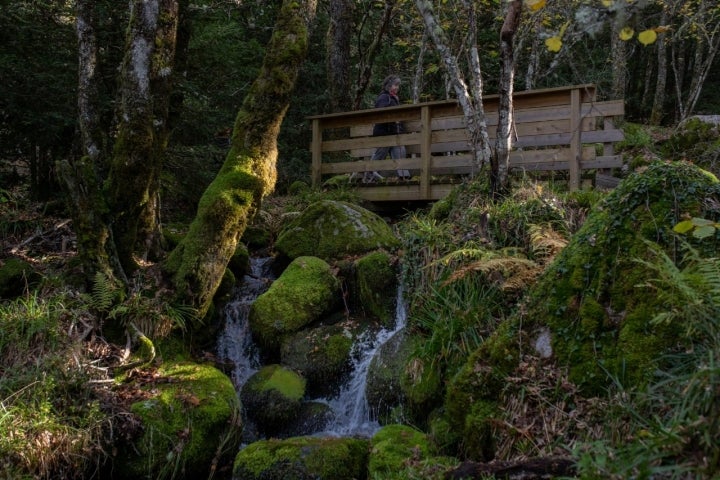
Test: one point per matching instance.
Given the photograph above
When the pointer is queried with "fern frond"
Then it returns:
(104, 292)
(546, 242)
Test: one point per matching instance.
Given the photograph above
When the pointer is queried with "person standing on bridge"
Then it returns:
(388, 98)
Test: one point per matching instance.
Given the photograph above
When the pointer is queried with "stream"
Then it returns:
(351, 413)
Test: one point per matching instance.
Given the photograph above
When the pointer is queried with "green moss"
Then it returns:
(185, 418)
(591, 296)
(305, 290)
(272, 398)
(391, 447)
(377, 280)
(331, 229)
(478, 441)
(289, 384)
(302, 457)
(320, 354)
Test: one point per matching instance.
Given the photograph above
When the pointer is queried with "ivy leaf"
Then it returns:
(626, 34)
(647, 37)
(553, 44)
(683, 227)
(701, 222)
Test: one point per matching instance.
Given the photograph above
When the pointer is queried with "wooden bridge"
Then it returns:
(557, 129)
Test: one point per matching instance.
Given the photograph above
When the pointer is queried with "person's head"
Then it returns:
(390, 82)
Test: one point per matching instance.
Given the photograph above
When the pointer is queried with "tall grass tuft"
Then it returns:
(50, 422)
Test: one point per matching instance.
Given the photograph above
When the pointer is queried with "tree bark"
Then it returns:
(472, 108)
(134, 178)
(619, 61)
(500, 163)
(198, 263)
(367, 59)
(338, 45)
(656, 115)
(82, 178)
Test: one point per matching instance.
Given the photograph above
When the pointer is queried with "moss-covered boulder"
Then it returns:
(306, 289)
(188, 412)
(15, 276)
(592, 310)
(272, 398)
(239, 263)
(321, 355)
(394, 449)
(303, 458)
(595, 298)
(312, 418)
(377, 285)
(383, 384)
(331, 229)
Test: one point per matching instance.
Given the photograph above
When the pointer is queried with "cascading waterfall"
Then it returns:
(235, 343)
(350, 408)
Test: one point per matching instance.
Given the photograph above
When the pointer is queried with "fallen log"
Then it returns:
(540, 468)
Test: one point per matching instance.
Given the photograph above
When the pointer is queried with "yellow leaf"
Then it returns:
(647, 37)
(553, 44)
(607, 3)
(626, 33)
(535, 5)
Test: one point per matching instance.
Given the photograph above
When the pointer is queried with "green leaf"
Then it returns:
(701, 222)
(683, 227)
(704, 231)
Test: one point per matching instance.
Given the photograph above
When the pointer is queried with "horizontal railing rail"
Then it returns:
(553, 129)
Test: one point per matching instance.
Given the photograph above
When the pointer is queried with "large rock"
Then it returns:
(303, 292)
(331, 229)
(321, 355)
(272, 398)
(303, 458)
(377, 286)
(592, 310)
(383, 388)
(187, 412)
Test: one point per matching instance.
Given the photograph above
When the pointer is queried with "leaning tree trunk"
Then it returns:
(500, 162)
(367, 58)
(198, 263)
(133, 182)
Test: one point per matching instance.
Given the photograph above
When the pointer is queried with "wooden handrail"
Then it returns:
(551, 127)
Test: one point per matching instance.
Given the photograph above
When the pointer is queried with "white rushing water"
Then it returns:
(235, 343)
(351, 411)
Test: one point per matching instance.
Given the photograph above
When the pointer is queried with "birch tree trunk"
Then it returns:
(471, 107)
(198, 263)
(134, 178)
(501, 160)
(619, 61)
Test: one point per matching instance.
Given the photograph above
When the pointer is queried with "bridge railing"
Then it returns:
(554, 129)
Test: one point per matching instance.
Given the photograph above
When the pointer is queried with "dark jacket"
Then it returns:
(391, 128)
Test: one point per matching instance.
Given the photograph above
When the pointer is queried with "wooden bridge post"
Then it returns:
(425, 151)
(316, 150)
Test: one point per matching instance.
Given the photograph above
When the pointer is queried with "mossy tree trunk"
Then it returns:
(114, 194)
(134, 180)
(198, 263)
